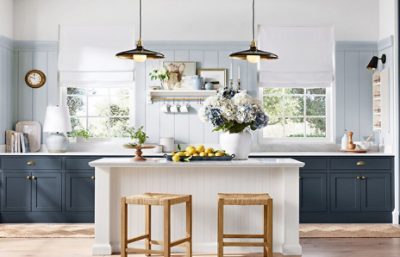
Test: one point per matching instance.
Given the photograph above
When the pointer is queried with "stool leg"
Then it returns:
(167, 229)
(268, 223)
(148, 227)
(189, 226)
(124, 226)
(220, 228)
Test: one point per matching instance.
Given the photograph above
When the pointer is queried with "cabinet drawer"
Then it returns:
(78, 163)
(31, 163)
(361, 163)
(315, 163)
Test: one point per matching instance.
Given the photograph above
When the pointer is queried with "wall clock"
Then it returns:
(35, 78)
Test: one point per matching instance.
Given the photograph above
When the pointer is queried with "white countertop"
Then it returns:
(156, 162)
(255, 154)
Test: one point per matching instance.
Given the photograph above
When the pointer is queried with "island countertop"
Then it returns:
(157, 162)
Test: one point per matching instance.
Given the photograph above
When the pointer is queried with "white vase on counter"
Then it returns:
(238, 144)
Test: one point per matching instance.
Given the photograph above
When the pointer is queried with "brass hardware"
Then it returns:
(34, 178)
(360, 163)
(358, 177)
(30, 163)
(92, 177)
(363, 177)
(28, 177)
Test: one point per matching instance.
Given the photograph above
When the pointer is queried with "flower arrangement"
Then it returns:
(232, 111)
(137, 135)
(159, 74)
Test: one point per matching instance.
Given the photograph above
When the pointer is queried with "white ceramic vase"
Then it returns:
(238, 144)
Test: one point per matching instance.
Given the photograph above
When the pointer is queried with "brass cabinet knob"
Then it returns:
(92, 177)
(358, 177)
(360, 163)
(363, 177)
(30, 163)
(34, 178)
(28, 177)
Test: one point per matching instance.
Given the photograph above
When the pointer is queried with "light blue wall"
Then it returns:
(7, 88)
(353, 86)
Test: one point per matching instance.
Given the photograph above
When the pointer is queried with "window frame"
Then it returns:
(130, 87)
(330, 115)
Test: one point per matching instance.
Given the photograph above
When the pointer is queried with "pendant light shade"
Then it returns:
(140, 54)
(253, 55)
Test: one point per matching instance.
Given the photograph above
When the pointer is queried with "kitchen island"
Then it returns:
(116, 177)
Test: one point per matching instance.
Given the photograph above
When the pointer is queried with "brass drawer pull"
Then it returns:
(360, 163)
(92, 177)
(34, 178)
(363, 177)
(358, 177)
(30, 163)
(28, 177)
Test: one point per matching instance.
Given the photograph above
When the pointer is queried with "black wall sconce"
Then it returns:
(373, 64)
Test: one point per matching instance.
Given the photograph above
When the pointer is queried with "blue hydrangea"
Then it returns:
(215, 116)
(260, 121)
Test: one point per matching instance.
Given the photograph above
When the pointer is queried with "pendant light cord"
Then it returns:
(140, 19)
(254, 21)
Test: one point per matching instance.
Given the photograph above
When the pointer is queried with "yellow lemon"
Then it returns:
(210, 154)
(176, 158)
(200, 148)
(202, 154)
(195, 154)
(189, 148)
(219, 154)
(209, 150)
(181, 153)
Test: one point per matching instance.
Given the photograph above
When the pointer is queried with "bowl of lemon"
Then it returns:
(199, 153)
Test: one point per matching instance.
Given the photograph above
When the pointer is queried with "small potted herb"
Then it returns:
(81, 135)
(138, 137)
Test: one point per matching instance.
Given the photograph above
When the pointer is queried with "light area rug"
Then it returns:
(349, 230)
(306, 230)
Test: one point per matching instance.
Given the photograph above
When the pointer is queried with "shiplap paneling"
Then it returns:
(7, 115)
(353, 83)
(354, 89)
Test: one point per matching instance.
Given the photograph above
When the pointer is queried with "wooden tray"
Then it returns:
(201, 158)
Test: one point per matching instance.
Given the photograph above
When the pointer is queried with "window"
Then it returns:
(104, 112)
(297, 113)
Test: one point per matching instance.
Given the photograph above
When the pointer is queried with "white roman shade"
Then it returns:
(87, 55)
(306, 56)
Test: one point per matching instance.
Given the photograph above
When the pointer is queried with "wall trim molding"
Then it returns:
(194, 45)
(35, 45)
(356, 46)
(6, 42)
(385, 43)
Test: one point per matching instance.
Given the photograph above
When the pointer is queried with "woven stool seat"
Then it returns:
(156, 199)
(244, 199)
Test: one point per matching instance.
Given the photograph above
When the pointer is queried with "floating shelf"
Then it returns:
(179, 95)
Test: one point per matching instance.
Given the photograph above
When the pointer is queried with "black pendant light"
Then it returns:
(253, 54)
(140, 54)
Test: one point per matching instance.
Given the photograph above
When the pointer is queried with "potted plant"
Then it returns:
(81, 135)
(138, 137)
(234, 114)
(160, 74)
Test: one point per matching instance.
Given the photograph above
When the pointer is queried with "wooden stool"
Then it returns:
(246, 199)
(165, 200)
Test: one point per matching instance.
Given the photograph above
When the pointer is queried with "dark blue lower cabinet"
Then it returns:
(80, 191)
(345, 192)
(376, 192)
(46, 191)
(16, 191)
(313, 187)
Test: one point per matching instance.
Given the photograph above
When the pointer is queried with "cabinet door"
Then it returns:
(313, 192)
(376, 192)
(16, 188)
(80, 191)
(46, 191)
(345, 192)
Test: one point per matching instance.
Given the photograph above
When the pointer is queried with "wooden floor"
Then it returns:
(313, 247)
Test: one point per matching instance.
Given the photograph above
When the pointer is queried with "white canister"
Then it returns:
(168, 144)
